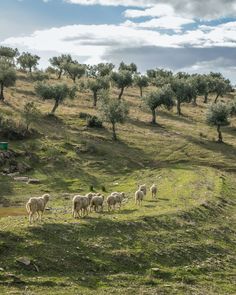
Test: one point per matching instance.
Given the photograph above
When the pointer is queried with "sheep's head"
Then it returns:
(46, 197)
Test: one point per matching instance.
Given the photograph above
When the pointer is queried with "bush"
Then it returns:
(12, 130)
(94, 121)
(84, 115)
(39, 76)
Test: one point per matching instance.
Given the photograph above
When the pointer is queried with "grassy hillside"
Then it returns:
(188, 233)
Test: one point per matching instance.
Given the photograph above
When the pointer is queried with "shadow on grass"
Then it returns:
(87, 252)
(174, 117)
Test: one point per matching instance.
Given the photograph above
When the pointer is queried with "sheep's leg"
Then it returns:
(30, 217)
(37, 215)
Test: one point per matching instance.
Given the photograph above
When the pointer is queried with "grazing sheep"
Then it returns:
(111, 202)
(153, 190)
(90, 196)
(143, 188)
(139, 195)
(36, 205)
(80, 204)
(96, 202)
(119, 197)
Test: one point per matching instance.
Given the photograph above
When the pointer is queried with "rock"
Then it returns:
(155, 271)
(24, 260)
(21, 178)
(23, 167)
(34, 181)
(13, 174)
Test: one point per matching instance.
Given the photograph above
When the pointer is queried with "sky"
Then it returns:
(196, 36)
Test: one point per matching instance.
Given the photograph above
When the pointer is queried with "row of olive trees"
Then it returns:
(185, 87)
(170, 89)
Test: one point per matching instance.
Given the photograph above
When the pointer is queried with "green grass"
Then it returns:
(188, 233)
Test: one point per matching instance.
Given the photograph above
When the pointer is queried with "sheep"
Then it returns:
(139, 195)
(96, 202)
(36, 205)
(153, 190)
(80, 204)
(111, 202)
(119, 197)
(90, 196)
(143, 188)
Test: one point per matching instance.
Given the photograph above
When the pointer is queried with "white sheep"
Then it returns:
(90, 196)
(96, 202)
(36, 205)
(139, 195)
(80, 206)
(143, 188)
(111, 202)
(153, 190)
(119, 197)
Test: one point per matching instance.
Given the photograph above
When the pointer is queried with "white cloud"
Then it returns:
(155, 11)
(168, 22)
(93, 41)
(97, 43)
(138, 3)
(201, 9)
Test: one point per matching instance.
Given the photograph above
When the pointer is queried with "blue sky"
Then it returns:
(189, 35)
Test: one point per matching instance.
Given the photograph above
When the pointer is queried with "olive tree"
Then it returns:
(141, 81)
(122, 80)
(57, 92)
(218, 115)
(221, 87)
(161, 97)
(125, 67)
(75, 70)
(113, 111)
(100, 70)
(184, 92)
(96, 85)
(232, 108)
(159, 77)
(7, 77)
(59, 63)
(8, 54)
(30, 113)
(28, 61)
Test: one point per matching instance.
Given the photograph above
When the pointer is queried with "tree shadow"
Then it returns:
(174, 117)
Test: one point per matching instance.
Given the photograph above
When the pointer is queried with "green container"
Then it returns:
(4, 146)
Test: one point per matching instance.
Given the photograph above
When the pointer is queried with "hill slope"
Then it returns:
(188, 233)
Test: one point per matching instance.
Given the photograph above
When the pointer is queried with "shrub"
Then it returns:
(84, 115)
(94, 121)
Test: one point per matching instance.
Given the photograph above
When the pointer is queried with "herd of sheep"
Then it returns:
(82, 205)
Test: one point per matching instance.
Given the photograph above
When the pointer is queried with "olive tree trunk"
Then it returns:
(179, 107)
(55, 107)
(114, 131)
(220, 137)
(121, 93)
(154, 116)
(141, 91)
(95, 98)
(1, 92)
(195, 101)
(59, 75)
(216, 99)
(205, 98)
